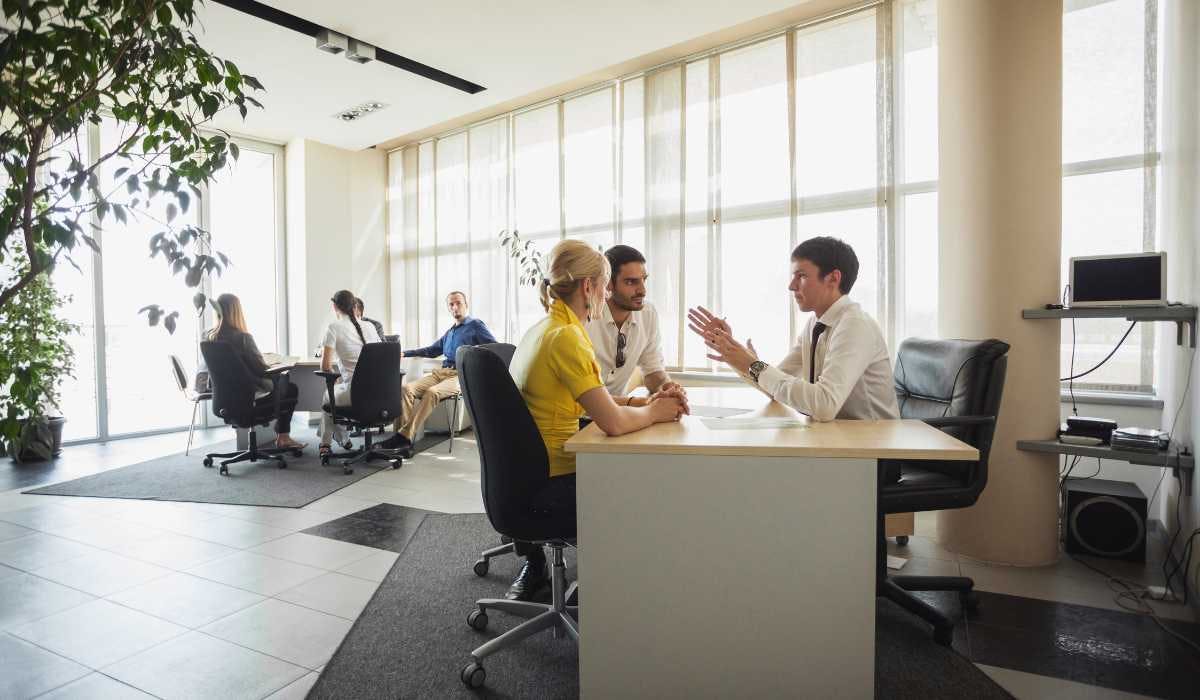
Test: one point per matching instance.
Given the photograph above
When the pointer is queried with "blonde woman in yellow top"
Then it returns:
(555, 369)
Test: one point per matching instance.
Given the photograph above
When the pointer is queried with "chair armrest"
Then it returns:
(330, 379)
(959, 421)
(277, 370)
(329, 376)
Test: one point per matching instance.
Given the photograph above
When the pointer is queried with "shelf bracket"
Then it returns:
(1179, 331)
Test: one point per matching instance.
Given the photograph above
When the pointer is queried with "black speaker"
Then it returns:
(1106, 519)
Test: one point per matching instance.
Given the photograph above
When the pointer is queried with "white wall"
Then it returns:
(336, 235)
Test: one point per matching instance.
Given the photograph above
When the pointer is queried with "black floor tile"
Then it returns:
(384, 526)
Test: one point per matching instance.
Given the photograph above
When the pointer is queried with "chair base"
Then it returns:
(485, 557)
(366, 453)
(252, 453)
(556, 615)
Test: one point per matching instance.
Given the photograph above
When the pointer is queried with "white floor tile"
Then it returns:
(230, 532)
(97, 633)
(45, 516)
(338, 505)
(312, 550)
(196, 666)
(1030, 686)
(101, 573)
(186, 600)
(25, 598)
(26, 671)
(38, 550)
(256, 573)
(96, 686)
(10, 531)
(289, 632)
(372, 568)
(105, 532)
(298, 690)
(174, 551)
(292, 519)
(8, 572)
(333, 593)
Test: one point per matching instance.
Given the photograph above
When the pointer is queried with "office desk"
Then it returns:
(734, 563)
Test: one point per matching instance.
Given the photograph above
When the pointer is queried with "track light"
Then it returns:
(360, 51)
(330, 41)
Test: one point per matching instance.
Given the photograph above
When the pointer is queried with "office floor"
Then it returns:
(105, 597)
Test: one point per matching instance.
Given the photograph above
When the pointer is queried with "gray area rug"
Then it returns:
(412, 639)
(184, 478)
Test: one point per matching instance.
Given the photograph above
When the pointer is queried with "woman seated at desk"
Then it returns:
(344, 341)
(231, 329)
(556, 371)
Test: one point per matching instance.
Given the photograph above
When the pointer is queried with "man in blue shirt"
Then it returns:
(422, 395)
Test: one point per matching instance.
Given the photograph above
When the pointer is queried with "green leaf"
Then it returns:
(234, 150)
(164, 14)
(169, 322)
(198, 300)
(172, 212)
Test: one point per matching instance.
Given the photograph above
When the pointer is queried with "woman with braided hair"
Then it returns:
(344, 340)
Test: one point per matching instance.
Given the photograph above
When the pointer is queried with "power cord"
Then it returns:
(1101, 363)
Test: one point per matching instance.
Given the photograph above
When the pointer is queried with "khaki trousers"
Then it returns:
(421, 396)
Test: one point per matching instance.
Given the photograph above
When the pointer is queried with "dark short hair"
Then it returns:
(359, 305)
(829, 254)
(619, 255)
(464, 296)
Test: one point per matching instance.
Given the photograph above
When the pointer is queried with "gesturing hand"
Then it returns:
(702, 322)
(729, 351)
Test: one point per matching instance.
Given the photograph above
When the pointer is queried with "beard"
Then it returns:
(628, 303)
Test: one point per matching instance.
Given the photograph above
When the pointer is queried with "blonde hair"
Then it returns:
(229, 316)
(571, 262)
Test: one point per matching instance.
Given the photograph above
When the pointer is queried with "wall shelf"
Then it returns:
(1179, 315)
(1152, 459)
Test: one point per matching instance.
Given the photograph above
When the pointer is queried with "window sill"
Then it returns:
(1113, 398)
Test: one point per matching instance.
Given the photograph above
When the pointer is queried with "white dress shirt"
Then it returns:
(643, 346)
(854, 370)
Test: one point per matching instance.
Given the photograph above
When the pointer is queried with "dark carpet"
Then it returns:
(412, 639)
(385, 526)
(180, 477)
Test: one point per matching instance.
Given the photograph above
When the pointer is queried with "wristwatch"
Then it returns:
(755, 368)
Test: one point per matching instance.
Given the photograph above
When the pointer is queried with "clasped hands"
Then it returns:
(718, 336)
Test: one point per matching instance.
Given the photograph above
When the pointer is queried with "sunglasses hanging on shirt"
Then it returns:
(620, 349)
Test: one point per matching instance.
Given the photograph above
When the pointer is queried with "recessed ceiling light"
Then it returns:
(362, 110)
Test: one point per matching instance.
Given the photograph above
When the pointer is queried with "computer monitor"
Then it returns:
(1137, 279)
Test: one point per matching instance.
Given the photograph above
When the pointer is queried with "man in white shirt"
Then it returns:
(625, 337)
(840, 368)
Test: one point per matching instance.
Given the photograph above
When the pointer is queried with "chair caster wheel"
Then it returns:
(208, 462)
(396, 463)
(347, 470)
(969, 601)
(297, 453)
(473, 676)
(478, 620)
(324, 460)
(282, 464)
(481, 567)
(224, 470)
(943, 635)
(902, 540)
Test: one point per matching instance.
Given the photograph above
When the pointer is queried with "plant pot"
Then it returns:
(56, 432)
(40, 439)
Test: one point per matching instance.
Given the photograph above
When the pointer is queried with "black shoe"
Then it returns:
(529, 583)
(396, 442)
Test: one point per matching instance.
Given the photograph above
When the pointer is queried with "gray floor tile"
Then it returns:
(298, 690)
(372, 568)
(26, 671)
(25, 598)
(1030, 685)
(96, 686)
(11, 531)
(174, 551)
(186, 600)
(256, 573)
(289, 632)
(199, 667)
(98, 633)
(101, 573)
(315, 551)
(923, 547)
(38, 550)
(333, 593)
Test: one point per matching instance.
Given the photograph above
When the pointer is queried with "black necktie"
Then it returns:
(818, 329)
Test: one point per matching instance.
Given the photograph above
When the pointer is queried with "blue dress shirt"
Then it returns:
(471, 331)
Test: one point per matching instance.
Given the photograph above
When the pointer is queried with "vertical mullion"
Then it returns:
(470, 231)
(562, 171)
(433, 328)
(793, 209)
(282, 326)
(681, 302)
(204, 214)
(885, 165)
(899, 200)
(618, 118)
(716, 291)
(1150, 169)
(100, 335)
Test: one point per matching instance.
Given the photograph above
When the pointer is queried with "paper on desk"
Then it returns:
(716, 411)
(896, 563)
(752, 423)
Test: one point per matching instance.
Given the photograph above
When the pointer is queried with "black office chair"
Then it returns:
(515, 469)
(375, 402)
(233, 389)
(505, 352)
(956, 386)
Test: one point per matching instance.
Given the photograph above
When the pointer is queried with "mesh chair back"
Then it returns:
(180, 376)
(233, 384)
(504, 350)
(513, 460)
(375, 397)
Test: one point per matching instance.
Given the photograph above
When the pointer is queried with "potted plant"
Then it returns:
(37, 357)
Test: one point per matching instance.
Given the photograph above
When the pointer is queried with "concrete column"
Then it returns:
(1000, 242)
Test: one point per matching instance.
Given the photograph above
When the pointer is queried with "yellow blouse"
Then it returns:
(553, 366)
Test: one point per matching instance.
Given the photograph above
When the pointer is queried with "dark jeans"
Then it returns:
(287, 406)
(558, 495)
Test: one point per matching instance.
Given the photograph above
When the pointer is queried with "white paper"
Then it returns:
(752, 423)
(896, 563)
(716, 411)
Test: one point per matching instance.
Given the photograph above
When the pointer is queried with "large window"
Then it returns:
(123, 383)
(714, 166)
(1110, 168)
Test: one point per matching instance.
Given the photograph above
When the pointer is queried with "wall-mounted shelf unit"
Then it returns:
(1151, 459)
(1180, 315)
